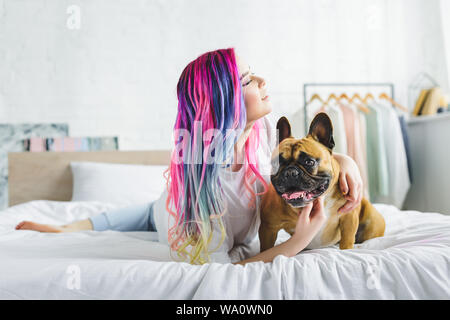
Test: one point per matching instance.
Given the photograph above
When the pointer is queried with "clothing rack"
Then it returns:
(309, 85)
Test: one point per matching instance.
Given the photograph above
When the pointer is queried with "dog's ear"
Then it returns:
(321, 129)
(283, 129)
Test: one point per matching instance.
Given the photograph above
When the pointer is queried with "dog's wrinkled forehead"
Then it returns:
(292, 149)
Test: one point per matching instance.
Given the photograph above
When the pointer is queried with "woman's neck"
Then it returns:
(239, 148)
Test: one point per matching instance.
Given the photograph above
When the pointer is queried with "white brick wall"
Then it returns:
(117, 74)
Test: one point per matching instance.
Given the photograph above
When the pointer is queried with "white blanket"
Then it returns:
(412, 261)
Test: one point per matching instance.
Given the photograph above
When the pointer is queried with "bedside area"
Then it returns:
(429, 139)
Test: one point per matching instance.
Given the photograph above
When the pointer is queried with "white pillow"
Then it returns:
(117, 183)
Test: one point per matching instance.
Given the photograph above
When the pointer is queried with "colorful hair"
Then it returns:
(211, 115)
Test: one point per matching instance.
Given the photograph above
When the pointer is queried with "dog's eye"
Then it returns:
(310, 162)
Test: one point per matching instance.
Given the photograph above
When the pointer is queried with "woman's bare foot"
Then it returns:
(29, 225)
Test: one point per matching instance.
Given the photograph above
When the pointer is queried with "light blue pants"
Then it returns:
(130, 218)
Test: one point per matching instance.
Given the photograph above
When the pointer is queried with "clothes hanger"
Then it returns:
(367, 97)
(356, 96)
(344, 96)
(360, 106)
(326, 103)
(384, 96)
(332, 96)
(315, 96)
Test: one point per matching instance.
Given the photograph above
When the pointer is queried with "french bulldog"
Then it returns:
(307, 170)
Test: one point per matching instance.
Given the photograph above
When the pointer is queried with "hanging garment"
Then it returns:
(350, 130)
(402, 121)
(363, 132)
(397, 163)
(337, 119)
(376, 154)
(297, 121)
(353, 137)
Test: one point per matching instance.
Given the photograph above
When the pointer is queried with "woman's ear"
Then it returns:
(283, 129)
(321, 129)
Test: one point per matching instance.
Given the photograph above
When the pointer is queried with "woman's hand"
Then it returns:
(310, 220)
(350, 182)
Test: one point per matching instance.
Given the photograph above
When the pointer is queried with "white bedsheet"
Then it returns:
(412, 261)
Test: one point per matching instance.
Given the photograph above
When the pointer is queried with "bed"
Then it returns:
(412, 260)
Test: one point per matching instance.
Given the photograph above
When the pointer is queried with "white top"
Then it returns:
(241, 222)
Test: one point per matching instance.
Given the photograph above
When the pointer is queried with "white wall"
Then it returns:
(117, 74)
(445, 20)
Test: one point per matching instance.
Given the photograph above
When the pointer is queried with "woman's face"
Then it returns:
(256, 99)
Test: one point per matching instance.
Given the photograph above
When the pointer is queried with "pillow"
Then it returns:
(117, 183)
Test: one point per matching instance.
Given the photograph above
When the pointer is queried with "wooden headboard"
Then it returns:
(47, 175)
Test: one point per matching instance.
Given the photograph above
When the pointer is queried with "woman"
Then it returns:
(219, 100)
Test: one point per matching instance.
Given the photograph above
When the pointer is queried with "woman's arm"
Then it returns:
(350, 182)
(289, 249)
(311, 218)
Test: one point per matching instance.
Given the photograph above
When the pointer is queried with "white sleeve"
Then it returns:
(245, 251)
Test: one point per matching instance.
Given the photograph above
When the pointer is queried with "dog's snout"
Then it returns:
(291, 172)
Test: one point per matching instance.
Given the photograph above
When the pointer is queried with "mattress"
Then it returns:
(412, 261)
